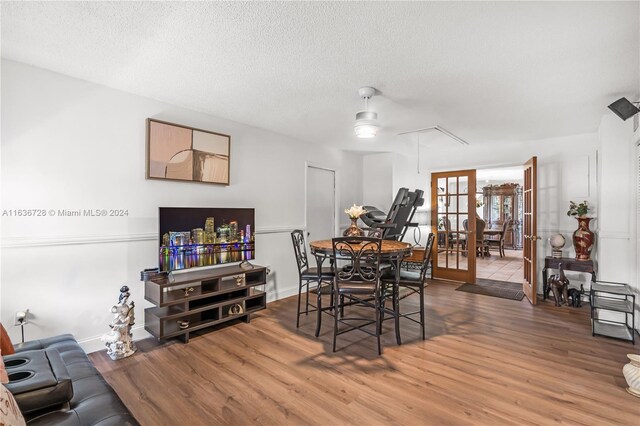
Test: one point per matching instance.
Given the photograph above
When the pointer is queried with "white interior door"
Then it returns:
(321, 199)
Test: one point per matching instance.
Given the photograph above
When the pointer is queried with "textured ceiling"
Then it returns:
(500, 71)
(500, 174)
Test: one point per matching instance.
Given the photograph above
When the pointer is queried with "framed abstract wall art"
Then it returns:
(177, 152)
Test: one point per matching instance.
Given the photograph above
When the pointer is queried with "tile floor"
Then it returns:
(507, 268)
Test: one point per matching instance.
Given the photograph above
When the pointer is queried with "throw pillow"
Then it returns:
(6, 347)
(10, 414)
(4, 377)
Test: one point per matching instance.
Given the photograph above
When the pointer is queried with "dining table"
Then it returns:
(493, 232)
(391, 252)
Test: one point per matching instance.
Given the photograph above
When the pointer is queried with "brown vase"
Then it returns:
(583, 239)
(353, 230)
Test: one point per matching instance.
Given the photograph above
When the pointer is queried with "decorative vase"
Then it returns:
(631, 374)
(583, 239)
(353, 230)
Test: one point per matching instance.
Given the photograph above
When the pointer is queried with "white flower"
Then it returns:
(355, 212)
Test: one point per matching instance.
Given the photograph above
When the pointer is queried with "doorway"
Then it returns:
(486, 229)
(499, 203)
(320, 203)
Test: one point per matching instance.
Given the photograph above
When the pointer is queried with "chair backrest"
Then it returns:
(362, 257)
(300, 249)
(465, 224)
(374, 233)
(428, 249)
(505, 225)
(480, 225)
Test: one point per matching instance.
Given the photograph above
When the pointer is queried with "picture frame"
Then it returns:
(182, 153)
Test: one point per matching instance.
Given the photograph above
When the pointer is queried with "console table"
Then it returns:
(568, 264)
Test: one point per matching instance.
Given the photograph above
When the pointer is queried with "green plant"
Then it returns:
(578, 209)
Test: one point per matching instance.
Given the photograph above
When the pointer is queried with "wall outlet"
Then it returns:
(22, 317)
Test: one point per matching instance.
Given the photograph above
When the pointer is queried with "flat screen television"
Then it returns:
(193, 237)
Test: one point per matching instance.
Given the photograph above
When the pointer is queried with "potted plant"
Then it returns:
(579, 210)
(583, 238)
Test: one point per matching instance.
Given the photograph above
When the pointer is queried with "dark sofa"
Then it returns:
(94, 402)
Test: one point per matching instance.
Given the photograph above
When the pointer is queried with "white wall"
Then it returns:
(377, 180)
(616, 214)
(566, 171)
(70, 144)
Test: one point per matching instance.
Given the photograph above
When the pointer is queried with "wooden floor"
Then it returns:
(486, 361)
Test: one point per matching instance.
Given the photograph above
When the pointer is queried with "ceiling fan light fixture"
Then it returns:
(366, 125)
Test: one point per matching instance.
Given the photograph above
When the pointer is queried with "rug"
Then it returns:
(501, 289)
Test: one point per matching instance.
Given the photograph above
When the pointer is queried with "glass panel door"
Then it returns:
(453, 217)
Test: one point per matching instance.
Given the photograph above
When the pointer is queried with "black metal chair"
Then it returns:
(412, 282)
(358, 283)
(307, 275)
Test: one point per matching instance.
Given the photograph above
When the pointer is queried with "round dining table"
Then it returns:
(391, 251)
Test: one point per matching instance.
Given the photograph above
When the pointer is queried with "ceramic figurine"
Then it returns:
(576, 296)
(559, 285)
(119, 341)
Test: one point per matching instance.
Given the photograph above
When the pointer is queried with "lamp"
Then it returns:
(624, 109)
(366, 121)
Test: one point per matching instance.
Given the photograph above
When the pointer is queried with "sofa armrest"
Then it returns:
(44, 343)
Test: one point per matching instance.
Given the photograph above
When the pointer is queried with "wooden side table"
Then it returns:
(568, 264)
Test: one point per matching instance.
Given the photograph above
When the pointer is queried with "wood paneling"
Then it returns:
(485, 361)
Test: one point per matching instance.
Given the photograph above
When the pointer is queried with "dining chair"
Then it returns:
(357, 284)
(411, 282)
(481, 243)
(307, 276)
(499, 243)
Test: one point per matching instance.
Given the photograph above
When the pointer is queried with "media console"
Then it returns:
(199, 299)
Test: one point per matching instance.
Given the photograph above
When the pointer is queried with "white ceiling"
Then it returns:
(486, 71)
(513, 174)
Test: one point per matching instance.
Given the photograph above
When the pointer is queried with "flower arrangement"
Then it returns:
(578, 209)
(355, 212)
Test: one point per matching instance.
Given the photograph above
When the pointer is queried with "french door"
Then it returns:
(530, 207)
(453, 206)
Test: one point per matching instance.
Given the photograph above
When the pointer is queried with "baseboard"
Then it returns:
(277, 295)
(94, 344)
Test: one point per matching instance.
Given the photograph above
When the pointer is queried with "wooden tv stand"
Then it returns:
(204, 298)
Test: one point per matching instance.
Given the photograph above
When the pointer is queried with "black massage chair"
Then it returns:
(394, 225)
